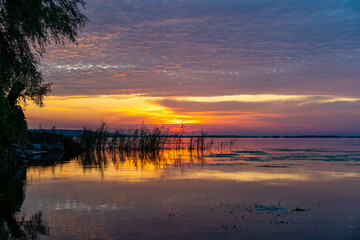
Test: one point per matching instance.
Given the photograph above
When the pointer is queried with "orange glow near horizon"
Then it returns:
(129, 109)
(75, 112)
(115, 110)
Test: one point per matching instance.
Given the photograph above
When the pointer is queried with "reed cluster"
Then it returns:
(226, 145)
(94, 139)
(144, 146)
(198, 143)
(140, 139)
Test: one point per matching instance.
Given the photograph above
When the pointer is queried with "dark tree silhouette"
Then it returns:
(26, 28)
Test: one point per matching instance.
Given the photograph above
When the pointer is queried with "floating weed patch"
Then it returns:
(254, 217)
(234, 208)
(269, 208)
(298, 210)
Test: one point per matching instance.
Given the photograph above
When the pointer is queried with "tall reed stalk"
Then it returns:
(140, 139)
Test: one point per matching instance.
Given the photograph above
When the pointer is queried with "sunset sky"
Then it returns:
(231, 67)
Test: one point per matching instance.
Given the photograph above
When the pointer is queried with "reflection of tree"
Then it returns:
(12, 195)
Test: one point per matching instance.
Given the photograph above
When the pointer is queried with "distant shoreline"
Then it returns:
(76, 133)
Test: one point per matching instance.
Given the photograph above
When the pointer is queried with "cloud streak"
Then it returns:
(214, 48)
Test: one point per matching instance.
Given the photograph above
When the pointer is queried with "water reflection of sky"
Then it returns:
(241, 163)
(259, 189)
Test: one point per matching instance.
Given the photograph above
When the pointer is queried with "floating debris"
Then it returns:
(298, 210)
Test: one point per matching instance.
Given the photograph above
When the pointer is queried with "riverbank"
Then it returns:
(40, 145)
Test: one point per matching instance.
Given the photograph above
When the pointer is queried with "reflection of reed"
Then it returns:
(142, 139)
(93, 159)
(140, 159)
(142, 147)
(226, 146)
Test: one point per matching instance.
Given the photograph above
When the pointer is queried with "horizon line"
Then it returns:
(58, 131)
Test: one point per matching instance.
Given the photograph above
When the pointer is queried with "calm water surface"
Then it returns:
(261, 189)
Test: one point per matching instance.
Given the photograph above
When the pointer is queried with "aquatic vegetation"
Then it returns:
(142, 139)
(87, 139)
(158, 147)
(269, 208)
(94, 139)
(226, 146)
(177, 138)
(141, 147)
(200, 141)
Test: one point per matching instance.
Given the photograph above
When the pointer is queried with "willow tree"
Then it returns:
(27, 27)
